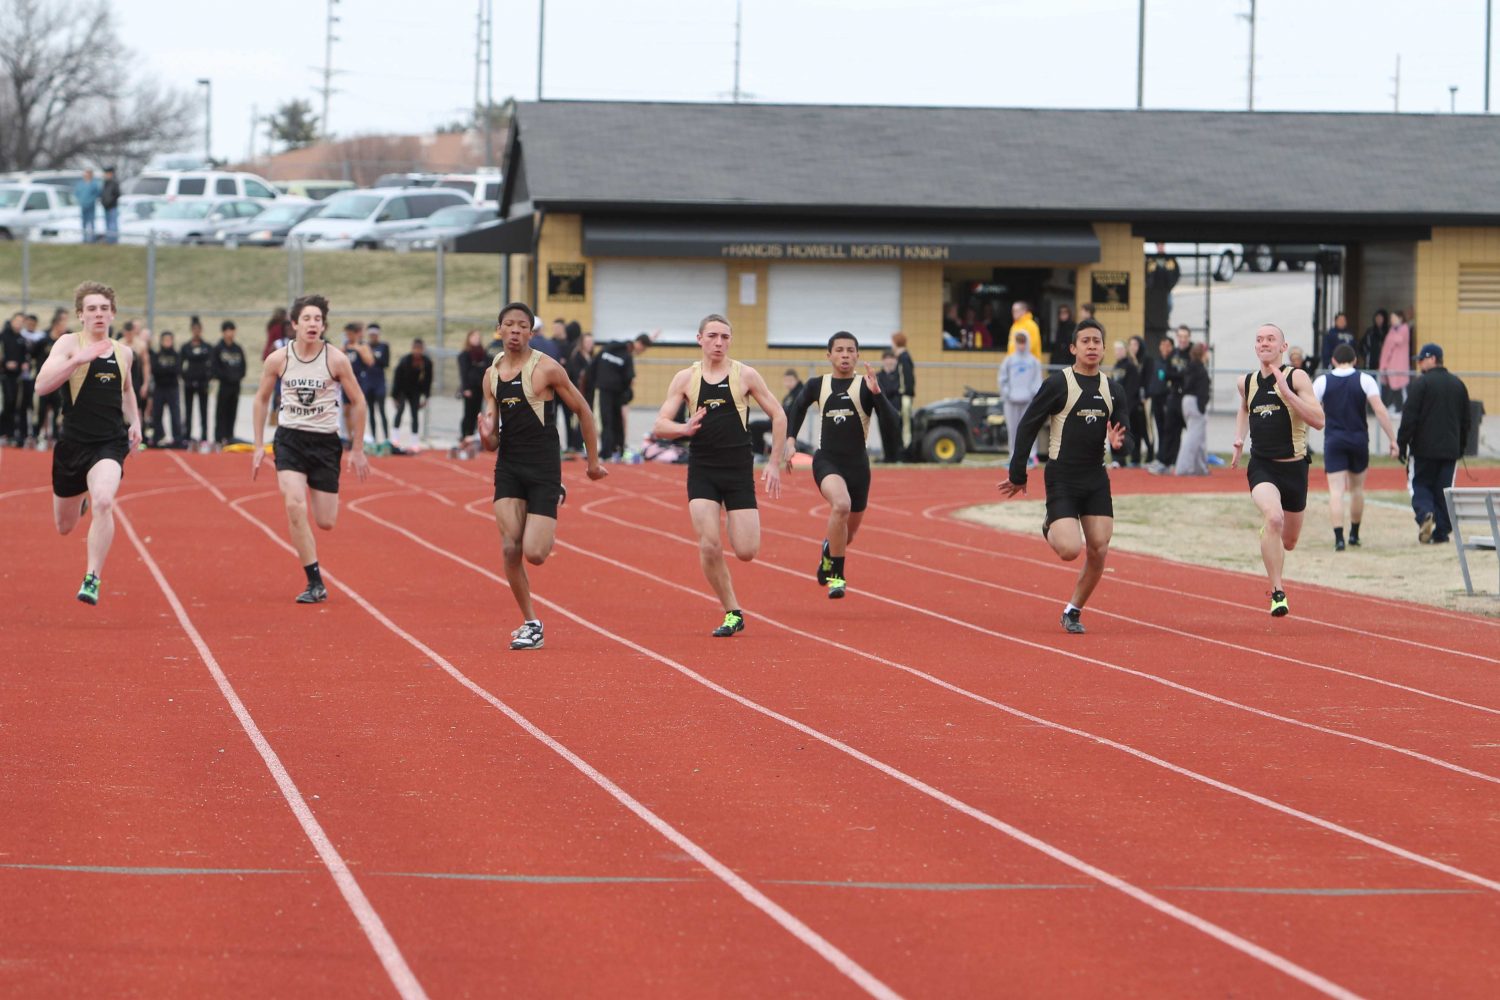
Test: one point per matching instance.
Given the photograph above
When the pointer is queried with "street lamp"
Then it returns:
(208, 107)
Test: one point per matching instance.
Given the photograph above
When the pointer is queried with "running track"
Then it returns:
(925, 790)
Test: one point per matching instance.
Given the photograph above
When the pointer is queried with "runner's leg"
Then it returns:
(510, 518)
(705, 518)
(294, 494)
(104, 482)
(1097, 531)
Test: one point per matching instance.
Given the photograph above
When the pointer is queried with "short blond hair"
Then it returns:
(714, 318)
(88, 288)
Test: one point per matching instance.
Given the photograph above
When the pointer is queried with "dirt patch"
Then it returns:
(1219, 530)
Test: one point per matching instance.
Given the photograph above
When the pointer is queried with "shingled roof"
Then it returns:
(1133, 166)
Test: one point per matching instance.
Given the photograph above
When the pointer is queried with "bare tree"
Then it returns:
(68, 92)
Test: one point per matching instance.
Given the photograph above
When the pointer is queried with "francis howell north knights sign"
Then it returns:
(835, 251)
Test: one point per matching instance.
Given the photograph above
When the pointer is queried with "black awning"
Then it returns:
(838, 240)
(506, 236)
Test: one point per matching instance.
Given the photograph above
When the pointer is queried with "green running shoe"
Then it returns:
(89, 592)
(825, 565)
(835, 587)
(1278, 604)
(733, 622)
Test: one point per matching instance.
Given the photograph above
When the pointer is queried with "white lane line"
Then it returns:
(374, 928)
(1407, 607)
(1224, 936)
(1068, 654)
(787, 921)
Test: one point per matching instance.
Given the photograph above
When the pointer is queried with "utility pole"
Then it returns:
(254, 118)
(1396, 94)
(736, 94)
(328, 70)
(1487, 12)
(484, 68)
(541, 35)
(208, 118)
(1250, 71)
(1140, 58)
(1453, 98)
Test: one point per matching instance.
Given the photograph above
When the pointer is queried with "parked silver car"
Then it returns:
(190, 220)
(364, 219)
(442, 225)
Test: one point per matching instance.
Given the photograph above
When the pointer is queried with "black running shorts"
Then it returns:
(1345, 453)
(71, 462)
(1077, 491)
(316, 456)
(732, 485)
(855, 473)
(538, 483)
(1289, 478)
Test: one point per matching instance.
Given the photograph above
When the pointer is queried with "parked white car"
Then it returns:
(69, 228)
(362, 220)
(29, 206)
(483, 187)
(1218, 259)
(199, 184)
(190, 220)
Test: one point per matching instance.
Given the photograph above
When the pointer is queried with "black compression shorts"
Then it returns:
(1345, 454)
(538, 483)
(71, 462)
(1077, 491)
(1289, 478)
(856, 476)
(317, 456)
(733, 486)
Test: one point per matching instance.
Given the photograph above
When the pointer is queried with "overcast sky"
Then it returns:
(407, 67)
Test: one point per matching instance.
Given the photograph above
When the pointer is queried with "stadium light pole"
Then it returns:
(1140, 58)
(1487, 12)
(541, 35)
(208, 107)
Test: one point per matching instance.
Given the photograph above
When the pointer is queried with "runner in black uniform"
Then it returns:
(1280, 398)
(101, 424)
(841, 465)
(721, 468)
(1087, 414)
(521, 389)
(311, 372)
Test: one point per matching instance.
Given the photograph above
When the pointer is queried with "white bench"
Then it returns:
(1474, 505)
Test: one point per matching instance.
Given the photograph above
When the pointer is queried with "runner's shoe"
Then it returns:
(1429, 525)
(835, 587)
(1070, 622)
(89, 592)
(528, 636)
(733, 622)
(1338, 544)
(1279, 608)
(315, 593)
(825, 565)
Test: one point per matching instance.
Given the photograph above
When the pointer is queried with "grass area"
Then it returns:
(245, 285)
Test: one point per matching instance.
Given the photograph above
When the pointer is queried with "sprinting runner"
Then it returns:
(101, 425)
(1277, 405)
(841, 465)
(521, 389)
(1086, 413)
(1344, 394)
(721, 466)
(308, 450)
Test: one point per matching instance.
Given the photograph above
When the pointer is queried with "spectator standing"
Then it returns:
(1128, 373)
(1297, 358)
(141, 376)
(374, 386)
(86, 193)
(412, 384)
(889, 379)
(1022, 321)
(166, 397)
(791, 384)
(579, 366)
(1161, 390)
(1344, 394)
(1197, 387)
(229, 372)
(472, 362)
(907, 370)
(1137, 424)
(109, 200)
(614, 376)
(1374, 339)
(951, 325)
(1395, 362)
(549, 345)
(1434, 429)
(1339, 334)
(1062, 337)
(197, 363)
(277, 331)
(14, 362)
(49, 404)
(1020, 378)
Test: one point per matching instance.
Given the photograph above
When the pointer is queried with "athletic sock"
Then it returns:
(838, 567)
(1071, 608)
(314, 576)
(1353, 531)
(1338, 534)
(533, 621)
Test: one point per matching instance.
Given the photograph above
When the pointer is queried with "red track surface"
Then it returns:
(925, 789)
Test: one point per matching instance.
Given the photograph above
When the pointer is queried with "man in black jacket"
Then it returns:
(15, 362)
(166, 364)
(229, 370)
(197, 361)
(1434, 427)
(614, 373)
(109, 200)
(1163, 382)
(412, 384)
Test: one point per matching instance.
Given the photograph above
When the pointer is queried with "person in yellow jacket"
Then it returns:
(1023, 322)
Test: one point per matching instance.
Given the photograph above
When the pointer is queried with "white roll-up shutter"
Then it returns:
(638, 296)
(808, 303)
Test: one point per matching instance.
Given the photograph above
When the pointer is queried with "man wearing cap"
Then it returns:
(1434, 427)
